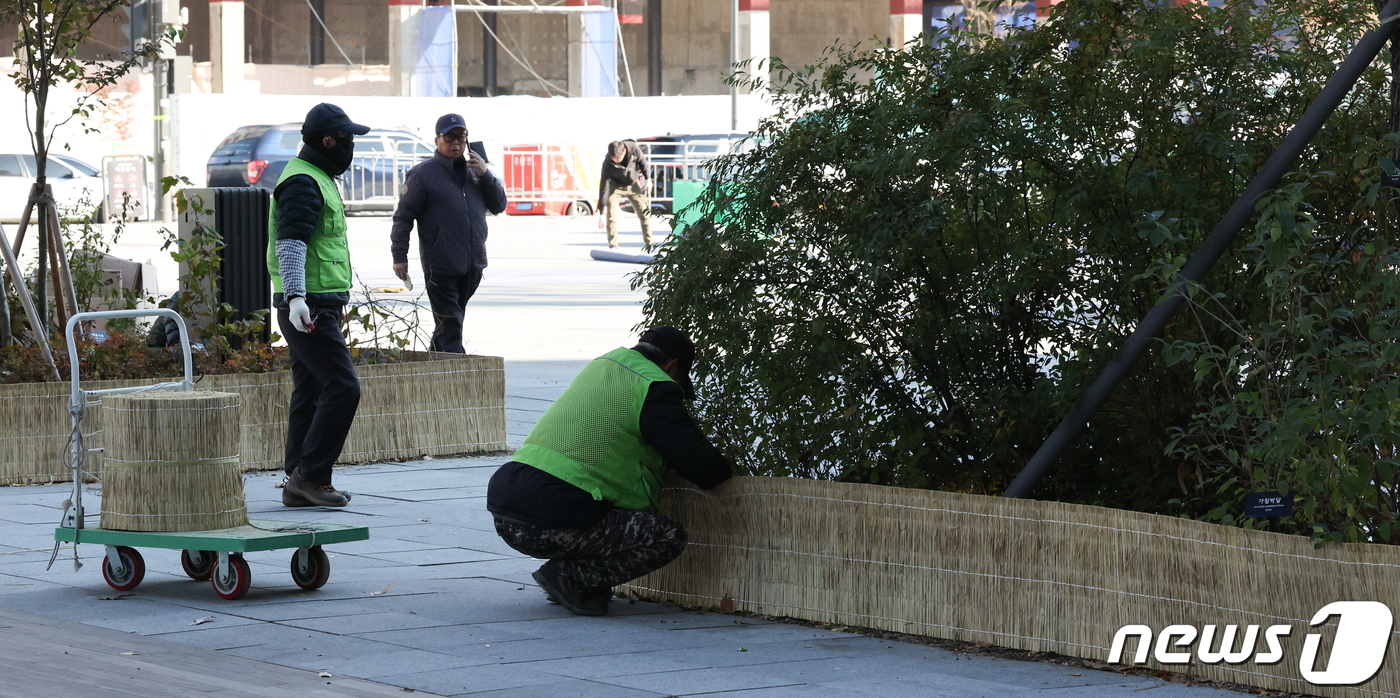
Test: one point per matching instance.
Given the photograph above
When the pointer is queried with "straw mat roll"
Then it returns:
(171, 462)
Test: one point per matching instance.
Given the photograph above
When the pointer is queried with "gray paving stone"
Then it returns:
(396, 661)
(441, 638)
(573, 688)
(366, 622)
(472, 679)
(698, 681)
(436, 556)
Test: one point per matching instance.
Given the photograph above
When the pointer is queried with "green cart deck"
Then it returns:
(254, 537)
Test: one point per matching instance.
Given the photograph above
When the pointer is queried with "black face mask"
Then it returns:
(339, 156)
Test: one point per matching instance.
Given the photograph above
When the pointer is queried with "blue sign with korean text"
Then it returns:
(1267, 505)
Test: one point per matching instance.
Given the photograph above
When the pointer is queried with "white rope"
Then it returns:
(199, 513)
(48, 436)
(109, 408)
(230, 460)
(385, 414)
(384, 453)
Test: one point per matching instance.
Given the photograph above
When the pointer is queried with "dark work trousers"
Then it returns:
(448, 294)
(325, 394)
(624, 545)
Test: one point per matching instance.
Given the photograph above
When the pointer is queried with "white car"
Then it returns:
(77, 186)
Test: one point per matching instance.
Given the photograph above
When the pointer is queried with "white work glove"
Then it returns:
(300, 315)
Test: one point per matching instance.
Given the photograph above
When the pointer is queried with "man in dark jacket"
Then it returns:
(582, 491)
(448, 196)
(309, 259)
(624, 176)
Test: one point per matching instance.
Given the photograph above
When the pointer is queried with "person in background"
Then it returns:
(624, 176)
(309, 259)
(448, 197)
(582, 491)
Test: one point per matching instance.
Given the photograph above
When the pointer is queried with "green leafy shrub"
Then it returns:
(1302, 395)
(930, 253)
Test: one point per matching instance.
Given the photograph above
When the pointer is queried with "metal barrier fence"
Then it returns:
(562, 179)
(543, 178)
(684, 160)
(375, 179)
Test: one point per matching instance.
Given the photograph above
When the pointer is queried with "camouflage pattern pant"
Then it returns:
(623, 546)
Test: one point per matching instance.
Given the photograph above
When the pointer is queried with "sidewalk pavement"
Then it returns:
(435, 602)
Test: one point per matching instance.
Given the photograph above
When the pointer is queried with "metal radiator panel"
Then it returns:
(240, 217)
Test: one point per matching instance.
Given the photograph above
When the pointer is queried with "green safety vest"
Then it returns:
(328, 252)
(590, 436)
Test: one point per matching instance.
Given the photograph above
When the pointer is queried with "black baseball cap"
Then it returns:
(676, 346)
(447, 122)
(328, 117)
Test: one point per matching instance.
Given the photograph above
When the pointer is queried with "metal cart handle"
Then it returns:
(77, 401)
(76, 394)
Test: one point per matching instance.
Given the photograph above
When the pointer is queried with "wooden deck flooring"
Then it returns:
(42, 658)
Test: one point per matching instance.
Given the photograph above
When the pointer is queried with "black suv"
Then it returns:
(253, 156)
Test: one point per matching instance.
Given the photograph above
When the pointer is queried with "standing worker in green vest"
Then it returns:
(309, 259)
(582, 491)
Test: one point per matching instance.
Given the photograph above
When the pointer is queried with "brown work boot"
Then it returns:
(316, 493)
(561, 591)
(291, 499)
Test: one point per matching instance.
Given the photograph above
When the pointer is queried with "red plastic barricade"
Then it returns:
(548, 180)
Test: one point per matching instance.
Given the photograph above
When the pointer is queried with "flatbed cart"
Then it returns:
(215, 555)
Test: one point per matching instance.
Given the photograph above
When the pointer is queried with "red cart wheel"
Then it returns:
(316, 572)
(198, 569)
(133, 569)
(231, 581)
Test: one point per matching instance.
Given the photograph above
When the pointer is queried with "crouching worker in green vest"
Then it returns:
(309, 260)
(583, 489)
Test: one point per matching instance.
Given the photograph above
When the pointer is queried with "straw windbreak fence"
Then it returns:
(1032, 575)
(171, 462)
(433, 404)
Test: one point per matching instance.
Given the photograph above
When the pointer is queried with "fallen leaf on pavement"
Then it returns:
(125, 654)
(423, 520)
(1105, 667)
(743, 649)
(380, 593)
(741, 621)
(114, 598)
(1075, 674)
(202, 621)
(325, 674)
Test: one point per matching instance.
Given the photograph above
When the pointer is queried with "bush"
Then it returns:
(1302, 394)
(930, 253)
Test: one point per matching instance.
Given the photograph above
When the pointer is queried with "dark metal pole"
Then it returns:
(1214, 247)
(653, 20)
(488, 51)
(317, 53)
